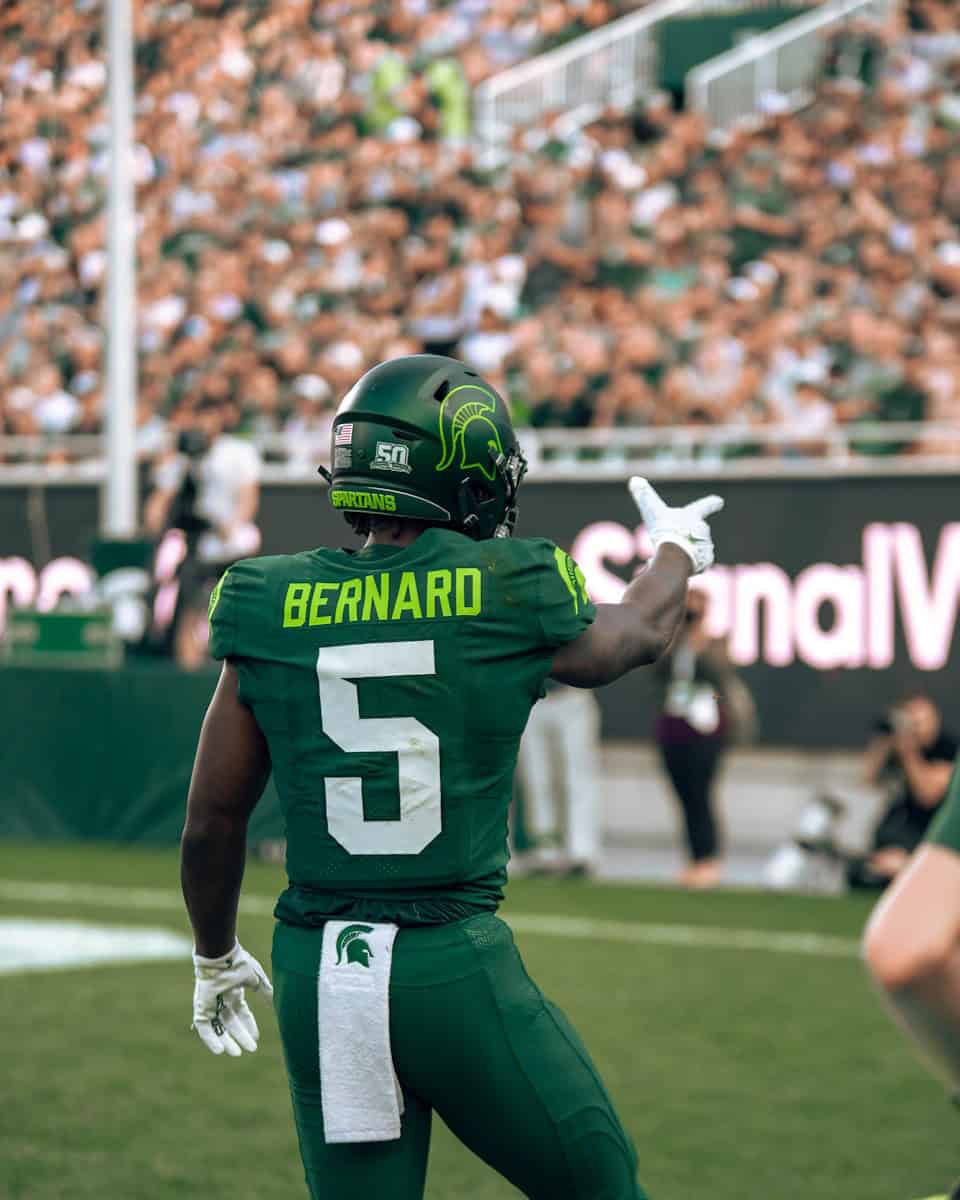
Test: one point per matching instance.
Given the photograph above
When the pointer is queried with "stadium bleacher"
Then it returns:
(309, 204)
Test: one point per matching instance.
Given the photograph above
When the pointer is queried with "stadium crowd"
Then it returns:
(309, 203)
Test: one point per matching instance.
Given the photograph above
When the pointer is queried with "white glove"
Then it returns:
(685, 527)
(221, 1016)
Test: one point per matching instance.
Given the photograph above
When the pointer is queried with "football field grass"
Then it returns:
(749, 1062)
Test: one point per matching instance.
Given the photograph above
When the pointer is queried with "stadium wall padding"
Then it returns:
(887, 548)
(105, 755)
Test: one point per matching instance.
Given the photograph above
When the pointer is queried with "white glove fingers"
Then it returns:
(205, 1032)
(222, 1017)
(241, 1026)
(646, 498)
(230, 1046)
(238, 1036)
(685, 527)
(706, 506)
(248, 1020)
(262, 984)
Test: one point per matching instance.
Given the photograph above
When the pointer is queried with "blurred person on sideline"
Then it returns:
(560, 777)
(702, 703)
(209, 488)
(910, 758)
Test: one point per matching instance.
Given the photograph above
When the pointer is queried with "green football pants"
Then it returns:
(474, 1038)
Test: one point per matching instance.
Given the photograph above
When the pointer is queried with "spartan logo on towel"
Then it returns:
(352, 941)
(459, 414)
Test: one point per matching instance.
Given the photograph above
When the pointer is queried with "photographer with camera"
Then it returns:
(910, 758)
(208, 487)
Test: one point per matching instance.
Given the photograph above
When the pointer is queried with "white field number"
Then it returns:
(416, 747)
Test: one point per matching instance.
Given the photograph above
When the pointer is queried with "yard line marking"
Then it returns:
(29, 944)
(699, 936)
(111, 896)
(632, 932)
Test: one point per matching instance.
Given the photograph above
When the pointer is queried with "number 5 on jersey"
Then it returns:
(416, 747)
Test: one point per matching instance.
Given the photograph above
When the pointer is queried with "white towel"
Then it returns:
(361, 1096)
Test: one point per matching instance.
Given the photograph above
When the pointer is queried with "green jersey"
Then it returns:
(945, 829)
(392, 686)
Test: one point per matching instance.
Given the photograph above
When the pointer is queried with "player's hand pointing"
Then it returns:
(685, 527)
(221, 1015)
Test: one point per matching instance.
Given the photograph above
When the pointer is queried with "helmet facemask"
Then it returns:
(479, 515)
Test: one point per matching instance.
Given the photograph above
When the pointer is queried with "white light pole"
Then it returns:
(119, 498)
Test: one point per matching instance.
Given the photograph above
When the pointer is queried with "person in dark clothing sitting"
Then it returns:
(910, 758)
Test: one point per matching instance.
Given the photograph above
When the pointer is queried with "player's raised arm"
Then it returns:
(229, 774)
(638, 630)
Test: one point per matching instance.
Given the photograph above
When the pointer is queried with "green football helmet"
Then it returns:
(425, 437)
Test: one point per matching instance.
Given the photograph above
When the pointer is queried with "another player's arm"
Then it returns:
(912, 943)
(229, 774)
(633, 633)
(639, 629)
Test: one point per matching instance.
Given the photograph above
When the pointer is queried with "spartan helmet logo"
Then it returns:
(457, 414)
(353, 942)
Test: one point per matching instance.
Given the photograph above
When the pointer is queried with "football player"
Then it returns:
(387, 689)
(912, 945)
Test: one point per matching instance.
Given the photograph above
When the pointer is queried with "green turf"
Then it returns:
(742, 1075)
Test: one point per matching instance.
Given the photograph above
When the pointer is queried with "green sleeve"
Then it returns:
(563, 607)
(945, 829)
(236, 608)
(223, 618)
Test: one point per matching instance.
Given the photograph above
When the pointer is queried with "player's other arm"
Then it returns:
(639, 629)
(633, 633)
(229, 774)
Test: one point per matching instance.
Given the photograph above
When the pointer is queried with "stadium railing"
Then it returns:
(786, 63)
(910, 447)
(612, 65)
(883, 447)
